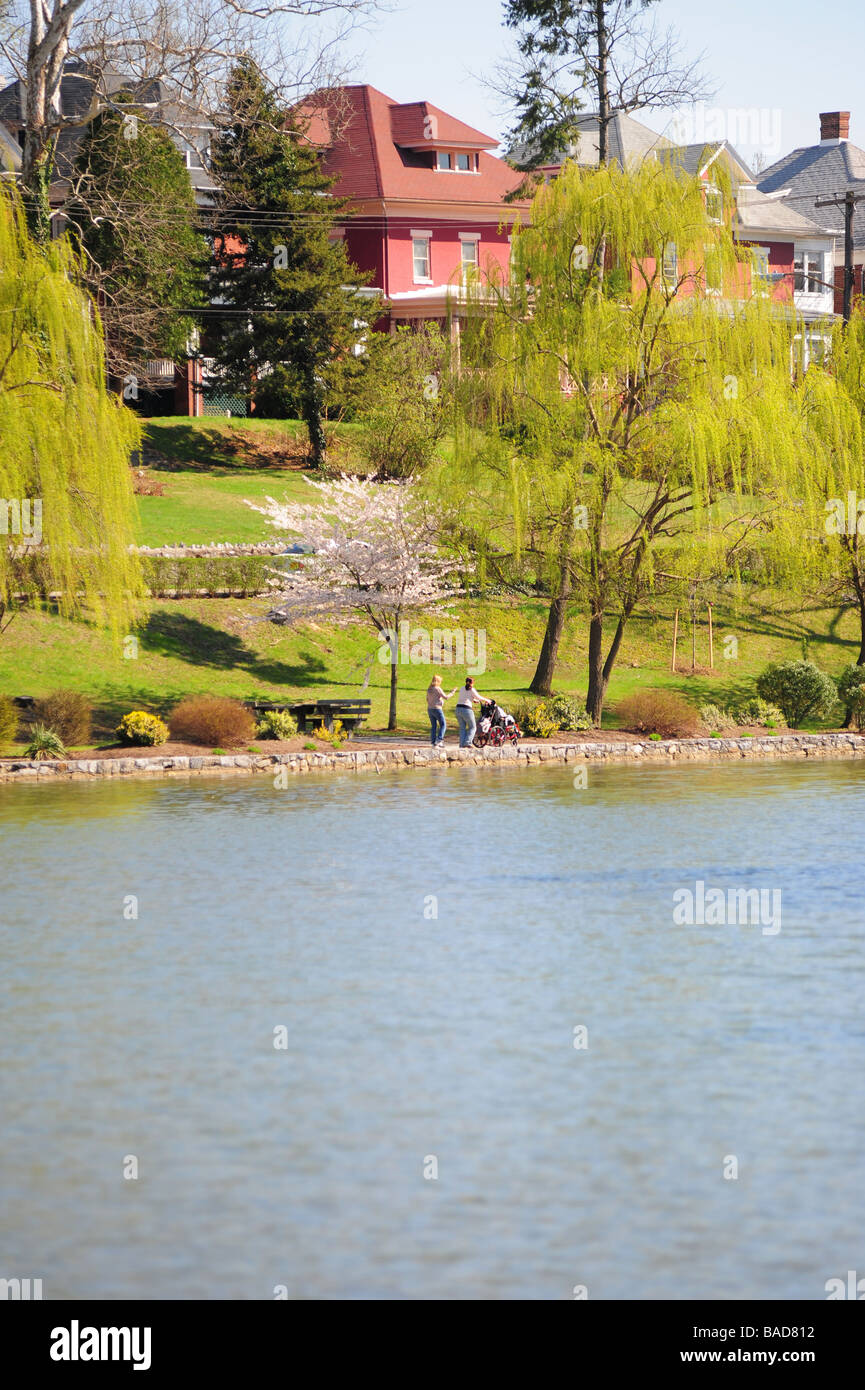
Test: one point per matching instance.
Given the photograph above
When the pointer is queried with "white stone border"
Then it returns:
(664, 750)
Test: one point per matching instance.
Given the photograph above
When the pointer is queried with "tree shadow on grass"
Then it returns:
(199, 644)
(197, 449)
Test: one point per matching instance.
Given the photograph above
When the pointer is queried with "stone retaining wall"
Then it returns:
(664, 751)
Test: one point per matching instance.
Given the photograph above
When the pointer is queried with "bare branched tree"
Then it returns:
(188, 49)
(608, 55)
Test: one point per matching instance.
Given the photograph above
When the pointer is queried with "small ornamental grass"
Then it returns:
(212, 720)
(44, 744)
(661, 712)
(142, 730)
(70, 713)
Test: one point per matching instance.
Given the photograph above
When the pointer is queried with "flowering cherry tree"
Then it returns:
(373, 549)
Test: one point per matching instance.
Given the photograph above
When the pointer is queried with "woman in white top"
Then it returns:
(466, 698)
(435, 701)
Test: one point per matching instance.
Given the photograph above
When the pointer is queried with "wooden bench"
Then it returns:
(311, 713)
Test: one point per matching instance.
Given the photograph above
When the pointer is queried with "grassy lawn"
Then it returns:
(215, 646)
(210, 466)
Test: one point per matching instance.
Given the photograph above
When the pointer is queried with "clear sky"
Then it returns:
(781, 61)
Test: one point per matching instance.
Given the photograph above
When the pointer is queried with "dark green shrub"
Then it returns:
(799, 689)
(851, 692)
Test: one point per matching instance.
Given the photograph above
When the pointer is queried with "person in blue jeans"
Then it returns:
(435, 701)
(466, 698)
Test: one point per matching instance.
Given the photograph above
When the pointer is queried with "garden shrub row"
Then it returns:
(241, 575)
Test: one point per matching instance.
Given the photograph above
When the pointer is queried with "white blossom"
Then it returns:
(373, 547)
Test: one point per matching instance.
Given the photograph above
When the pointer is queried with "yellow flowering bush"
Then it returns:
(334, 736)
(139, 727)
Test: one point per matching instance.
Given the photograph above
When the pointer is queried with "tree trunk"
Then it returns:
(599, 669)
(601, 80)
(597, 684)
(35, 185)
(391, 718)
(860, 600)
(312, 413)
(542, 680)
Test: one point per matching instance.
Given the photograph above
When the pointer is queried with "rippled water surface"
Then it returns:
(411, 1037)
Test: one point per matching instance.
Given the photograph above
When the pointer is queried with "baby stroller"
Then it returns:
(496, 726)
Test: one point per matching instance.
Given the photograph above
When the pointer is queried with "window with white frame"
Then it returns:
(714, 204)
(670, 263)
(760, 269)
(812, 347)
(469, 249)
(457, 161)
(808, 274)
(420, 252)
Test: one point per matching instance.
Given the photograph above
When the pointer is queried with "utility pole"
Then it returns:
(848, 202)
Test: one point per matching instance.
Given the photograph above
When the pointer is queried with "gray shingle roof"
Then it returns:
(819, 171)
(756, 211)
(628, 141)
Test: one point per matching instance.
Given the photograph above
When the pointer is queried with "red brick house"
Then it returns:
(427, 198)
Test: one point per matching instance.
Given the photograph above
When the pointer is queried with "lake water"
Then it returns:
(414, 1041)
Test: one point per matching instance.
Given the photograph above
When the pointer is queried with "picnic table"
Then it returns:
(310, 713)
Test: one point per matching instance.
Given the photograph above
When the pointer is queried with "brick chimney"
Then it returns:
(834, 125)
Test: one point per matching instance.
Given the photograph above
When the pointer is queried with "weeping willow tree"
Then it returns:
(66, 502)
(835, 394)
(633, 423)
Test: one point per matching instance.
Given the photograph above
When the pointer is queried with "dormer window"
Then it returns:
(457, 161)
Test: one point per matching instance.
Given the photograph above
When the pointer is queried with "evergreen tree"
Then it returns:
(291, 322)
(133, 214)
(607, 49)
